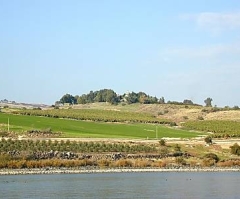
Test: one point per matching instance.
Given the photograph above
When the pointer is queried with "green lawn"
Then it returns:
(76, 128)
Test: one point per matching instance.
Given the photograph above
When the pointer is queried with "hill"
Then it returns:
(176, 113)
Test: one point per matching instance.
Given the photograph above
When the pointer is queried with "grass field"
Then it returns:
(75, 128)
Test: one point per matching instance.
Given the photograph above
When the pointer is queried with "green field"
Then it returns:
(77, 128)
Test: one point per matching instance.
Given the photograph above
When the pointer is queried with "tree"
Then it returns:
(186, 101)
(131, 98)
(82, 99)
(162, 100)
(142, 97)
(208, 102)
(90, 97)
(236, 108)
(67, 98)
(99, 97)
(111, 97)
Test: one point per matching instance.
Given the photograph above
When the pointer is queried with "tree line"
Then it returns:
(110, 96)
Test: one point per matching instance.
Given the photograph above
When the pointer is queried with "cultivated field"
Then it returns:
(77, 128)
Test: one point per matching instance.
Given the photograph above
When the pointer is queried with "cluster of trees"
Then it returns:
(104, 95)
(108, 95)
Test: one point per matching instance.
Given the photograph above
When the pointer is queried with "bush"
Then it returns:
(208, 162)
(177, 148)
(162, 142)
(166, 111)
(38, 108)
(208, 140)
(160, 113)
(235, 149)
(236, 108)
(212, 156)
(173, 124)
(180, 161)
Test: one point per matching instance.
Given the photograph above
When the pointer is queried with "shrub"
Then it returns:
(235, 149)
(208, 162)
(162, 142)
(180, 161)
(177, 148)
(236, 108)
(173, 124)
(38, 108)
(208, 140)
(166, 111)
(163, 151)
(124, 163)
(212, 156)
(160, 113)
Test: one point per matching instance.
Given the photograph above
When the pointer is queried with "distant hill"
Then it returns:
(13, 104)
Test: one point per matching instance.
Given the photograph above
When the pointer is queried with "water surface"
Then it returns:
(213, 185)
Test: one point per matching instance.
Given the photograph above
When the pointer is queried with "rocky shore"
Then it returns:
(110, 170)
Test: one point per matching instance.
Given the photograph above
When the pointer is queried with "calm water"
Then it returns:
(123, 185)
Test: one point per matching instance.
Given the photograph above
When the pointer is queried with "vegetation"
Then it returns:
(77, 128)
(76, 147)
(97, 115)
(68, 99)
(220, 129)
(129, 121)
(235, 149)
(108, 95)
(47, 153)
(208, 140)
(208, 102)
(162, 142)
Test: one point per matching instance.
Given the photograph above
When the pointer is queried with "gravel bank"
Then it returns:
(126, 170)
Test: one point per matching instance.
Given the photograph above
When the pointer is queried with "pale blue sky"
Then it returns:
(179, 49)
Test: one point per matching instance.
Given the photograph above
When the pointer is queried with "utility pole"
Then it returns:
(156, 132)
(8, 125)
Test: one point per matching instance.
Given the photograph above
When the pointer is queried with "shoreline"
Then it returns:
(49, 171)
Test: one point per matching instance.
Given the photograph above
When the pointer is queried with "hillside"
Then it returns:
(176, 113)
